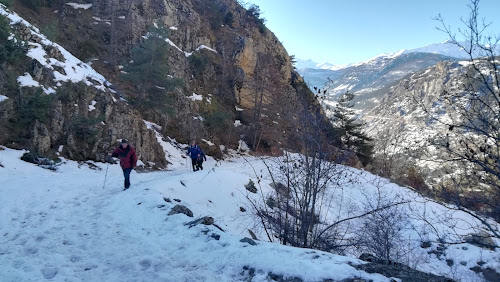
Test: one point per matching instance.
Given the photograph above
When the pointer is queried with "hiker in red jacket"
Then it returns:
(128, 160)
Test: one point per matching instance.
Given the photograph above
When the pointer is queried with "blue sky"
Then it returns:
(350, 31)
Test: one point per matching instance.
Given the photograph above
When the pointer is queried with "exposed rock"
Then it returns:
(250, 186)
(244, 61)
(249, 241)
(397, 270)
(281, 189)
(41, 141)
(252, 234)
(491, 275)
(181, 209)
(425, 245)
(488, 273)
(481, 240)
(55, 53)
(206, 220)
(281, 278)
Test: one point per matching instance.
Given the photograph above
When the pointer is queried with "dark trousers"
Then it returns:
(126, 174)
(194, 162)
(200, 163)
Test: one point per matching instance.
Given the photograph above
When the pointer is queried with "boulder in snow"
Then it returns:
(181, 209)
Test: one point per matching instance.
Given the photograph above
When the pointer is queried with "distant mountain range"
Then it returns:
(445, 48)
(310, 64)
(369, 78)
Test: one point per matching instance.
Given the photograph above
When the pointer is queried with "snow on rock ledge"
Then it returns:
(50, 55)
(79, 6)
(173, 151)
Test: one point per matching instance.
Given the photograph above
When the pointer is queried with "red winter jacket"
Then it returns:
(128, 158)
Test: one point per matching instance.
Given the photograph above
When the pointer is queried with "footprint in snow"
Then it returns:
(145, 263)
(74, 259)
(49, 272)
(31, 250)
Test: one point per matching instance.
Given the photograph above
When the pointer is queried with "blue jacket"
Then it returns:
(195, 152)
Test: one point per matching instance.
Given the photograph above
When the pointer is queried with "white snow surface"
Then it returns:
(27, 81)
(187, 54)
(208, 142)
(195, 97)
(79, 6)
(173, 150)
(77, 223)
(205, 47)
(3, 98)
(92, 105)
(69, 226)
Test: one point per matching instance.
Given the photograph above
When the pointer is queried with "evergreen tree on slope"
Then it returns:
(148, 72)
(350, 129)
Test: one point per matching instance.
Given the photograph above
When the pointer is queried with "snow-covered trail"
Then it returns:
(63, 226)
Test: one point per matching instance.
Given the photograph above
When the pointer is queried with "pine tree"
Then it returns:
(350, 129)
(148, 71)
(10, 50)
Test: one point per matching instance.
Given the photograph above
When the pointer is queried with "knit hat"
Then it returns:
(124, 141)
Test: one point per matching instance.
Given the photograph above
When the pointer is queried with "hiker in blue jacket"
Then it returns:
(196, 155)
(199, 164)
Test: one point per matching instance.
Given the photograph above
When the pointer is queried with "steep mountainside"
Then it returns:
(446, 48)
(403, 126)
(369, 79)
(372, 78)
(235, 78)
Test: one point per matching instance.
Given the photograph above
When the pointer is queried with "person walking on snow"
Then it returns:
(128, 160)
(195, 152)
(199, 163)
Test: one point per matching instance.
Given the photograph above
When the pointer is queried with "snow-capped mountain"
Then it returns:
(369, 79)
(310, 64)
(446, 48)
(317, 74)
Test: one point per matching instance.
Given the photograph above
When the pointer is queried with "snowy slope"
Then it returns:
(447, 48)
(64, 66)
(69, 225)
(66, 225)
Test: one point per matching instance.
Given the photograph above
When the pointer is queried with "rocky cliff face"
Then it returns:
(231, 67)
(402, 124)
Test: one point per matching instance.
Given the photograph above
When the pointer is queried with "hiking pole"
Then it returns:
(210, 170)
(105, 176)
